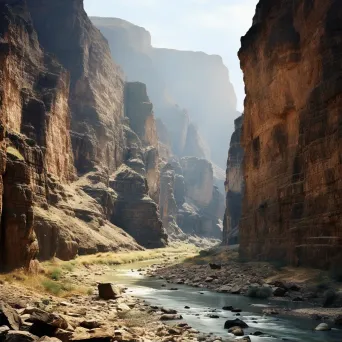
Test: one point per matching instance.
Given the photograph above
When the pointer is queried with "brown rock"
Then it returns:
(237, 331)
(135, 211)
(20, 336)
(9, 317)
(45, 323)
(292, 206)
(108, 291)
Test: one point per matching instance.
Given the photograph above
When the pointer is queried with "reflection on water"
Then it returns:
(203, 302)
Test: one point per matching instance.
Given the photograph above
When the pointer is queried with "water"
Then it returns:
(204, 302)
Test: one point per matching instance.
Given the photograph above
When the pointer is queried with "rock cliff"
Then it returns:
(189, 202)
(234, 187)
(172, 78)
(291, 133)
(64, 136)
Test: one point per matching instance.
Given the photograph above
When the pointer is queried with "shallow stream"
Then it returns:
(204, 302)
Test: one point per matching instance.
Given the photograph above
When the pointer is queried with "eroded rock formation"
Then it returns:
(234, 187)
(189, 202)
(135, 211)
(291, 134)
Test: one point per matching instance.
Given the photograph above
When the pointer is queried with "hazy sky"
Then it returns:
(212, 26)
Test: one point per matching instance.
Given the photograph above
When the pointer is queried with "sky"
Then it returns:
(212, 26)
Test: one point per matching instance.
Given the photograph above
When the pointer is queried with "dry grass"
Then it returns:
(181, 251)
(14, 152)
(50, 281)
(53, 278)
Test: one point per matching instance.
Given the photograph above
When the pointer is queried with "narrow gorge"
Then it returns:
(140, 203)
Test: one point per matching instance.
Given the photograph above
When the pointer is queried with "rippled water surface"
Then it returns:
(203, 302)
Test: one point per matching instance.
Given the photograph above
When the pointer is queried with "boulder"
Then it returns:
(279, 292)
(108, 291)
(20, 336)
(322, 327)
(168, 311)
(9, 317)
(237, 331)
(230, 323)
(46, 323)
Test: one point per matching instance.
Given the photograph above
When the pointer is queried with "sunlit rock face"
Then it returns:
(234, 187)
(291, 133)
(96, 85)
(63, 134)
(173, 78)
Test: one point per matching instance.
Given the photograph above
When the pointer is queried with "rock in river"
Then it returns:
(322, 327)
(230, 323)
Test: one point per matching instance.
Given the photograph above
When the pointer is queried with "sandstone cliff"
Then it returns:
(172, 78)
(291, 134)
(63, 134)
(234, 187)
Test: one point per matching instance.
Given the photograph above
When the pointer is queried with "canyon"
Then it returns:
(291, 134)
(111, 169)
(85, 162)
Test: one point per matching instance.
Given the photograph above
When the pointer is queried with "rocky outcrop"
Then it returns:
(189, 202)
(139, 111)
(172, 78)
(234, 187)
(291, 133)
(135, 211)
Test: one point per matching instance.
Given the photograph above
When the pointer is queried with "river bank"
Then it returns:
(220, 270)
(68, 292)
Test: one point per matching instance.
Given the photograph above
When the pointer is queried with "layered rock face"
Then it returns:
(139, 111)
(62, 111)
(135, 211)
(172, 78)
(291, 133)
(189, 202)
(234, 187)
(137, 183)
(96, 87)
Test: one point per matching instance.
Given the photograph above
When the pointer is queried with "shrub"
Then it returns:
(55, 274)
(262, 292)
(52, 287)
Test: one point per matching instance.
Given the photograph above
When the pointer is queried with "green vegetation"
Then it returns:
(14, 152)
(55, 274)
(261, 292)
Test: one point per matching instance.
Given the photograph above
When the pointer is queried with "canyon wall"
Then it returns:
(64, 138)
(292, 133)
(172, 78)
(181, 132)
(234, 187)
(189, 202)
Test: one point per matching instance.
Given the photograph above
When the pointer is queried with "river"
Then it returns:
(203, 303)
